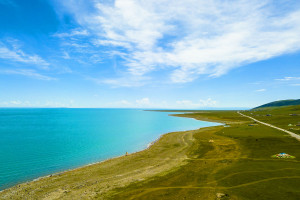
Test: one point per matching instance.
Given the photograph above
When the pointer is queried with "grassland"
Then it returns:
(287, 117)
(234, 160)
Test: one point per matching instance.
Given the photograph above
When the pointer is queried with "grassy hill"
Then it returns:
(286, 117)
(290, 102)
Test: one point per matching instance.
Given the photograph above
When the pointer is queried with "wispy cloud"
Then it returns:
(55, 104)
(260, 90)
(72, 33)
(201, 103)
(66, 55)
(193, 37)
(47, 103)
(146, 102)
(296, 84)
(256, 83)
(288, 79)
(16, 102)
(13, 53)
(143, 102)
(28, 73)
(128, 81)
(139, 103)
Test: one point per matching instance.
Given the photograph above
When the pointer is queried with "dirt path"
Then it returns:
(294, 135)
(148, 190)
(206, 166)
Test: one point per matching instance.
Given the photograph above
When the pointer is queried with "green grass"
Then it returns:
(97, 181)
(235, 160)
(280, 116)
(290, 102)
(263, 177)
(243, 169)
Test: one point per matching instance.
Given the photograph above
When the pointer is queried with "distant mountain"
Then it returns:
(290, 102)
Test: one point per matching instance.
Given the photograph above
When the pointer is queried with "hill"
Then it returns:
(290, 102)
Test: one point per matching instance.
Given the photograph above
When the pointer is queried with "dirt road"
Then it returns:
(270, 125)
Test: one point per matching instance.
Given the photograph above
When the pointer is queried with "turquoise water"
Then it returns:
(38, 142)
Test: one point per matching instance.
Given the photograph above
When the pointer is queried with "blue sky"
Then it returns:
(148, 54)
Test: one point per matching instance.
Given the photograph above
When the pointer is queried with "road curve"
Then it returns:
(270, 125)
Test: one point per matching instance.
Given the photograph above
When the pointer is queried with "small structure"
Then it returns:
(126, 153)
(283, 155)
(221, 195)
(268, 115)
(293, 115)
(290, 125)
(298, 124)
(252, 124)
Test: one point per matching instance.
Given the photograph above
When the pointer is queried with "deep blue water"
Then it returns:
(38, 142)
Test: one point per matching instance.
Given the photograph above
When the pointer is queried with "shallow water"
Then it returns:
(38, 142)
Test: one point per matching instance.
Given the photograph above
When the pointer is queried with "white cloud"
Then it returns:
(147, 103)
(125, 102)
(26, 103)
(16, 102)
(296, 84)
(120, 104)
(191, 37)
(109, 43)
(72, 33)
(260, 90)
(66, 55)
(4, 103)
(55, 104)
(16, 54)
(124, 81)
(288, 79)
(143, 102)
(256, 83)
(139, 103)
(29, 73)
(201, 103)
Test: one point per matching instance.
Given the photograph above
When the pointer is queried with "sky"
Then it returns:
(148, 54)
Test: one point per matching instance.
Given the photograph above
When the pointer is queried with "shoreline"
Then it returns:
(199, 164)
(150, 144)
(86, 165)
